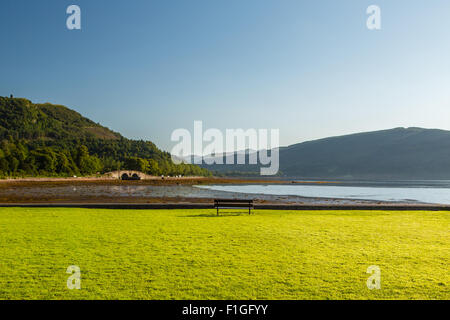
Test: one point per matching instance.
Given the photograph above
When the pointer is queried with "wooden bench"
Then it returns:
(233, 203)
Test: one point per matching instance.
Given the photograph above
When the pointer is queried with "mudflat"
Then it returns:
(151, 191)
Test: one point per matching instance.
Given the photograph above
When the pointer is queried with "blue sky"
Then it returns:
(310, 68)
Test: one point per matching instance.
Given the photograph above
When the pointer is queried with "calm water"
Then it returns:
(436, 192)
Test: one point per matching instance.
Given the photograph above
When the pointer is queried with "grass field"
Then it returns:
(192, 254)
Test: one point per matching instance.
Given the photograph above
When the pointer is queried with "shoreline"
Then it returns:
(147, 181)
(210, 206)
(169, 192)
(160, 181)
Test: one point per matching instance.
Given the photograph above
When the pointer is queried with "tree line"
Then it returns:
(21, 159)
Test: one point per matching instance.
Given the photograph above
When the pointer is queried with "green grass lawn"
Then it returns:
(192, 254)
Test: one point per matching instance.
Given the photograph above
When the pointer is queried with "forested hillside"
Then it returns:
(53, 140)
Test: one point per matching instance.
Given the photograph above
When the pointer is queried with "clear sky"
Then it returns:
(310, 68)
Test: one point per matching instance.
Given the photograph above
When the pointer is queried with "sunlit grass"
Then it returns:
(192, 254)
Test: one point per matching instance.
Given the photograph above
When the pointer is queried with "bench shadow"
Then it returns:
(222, 214)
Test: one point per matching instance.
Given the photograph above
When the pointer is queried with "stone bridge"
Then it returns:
(130, 175)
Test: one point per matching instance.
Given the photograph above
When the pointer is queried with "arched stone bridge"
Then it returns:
(129, 175)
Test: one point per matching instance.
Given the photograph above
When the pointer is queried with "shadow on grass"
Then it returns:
(222, 214)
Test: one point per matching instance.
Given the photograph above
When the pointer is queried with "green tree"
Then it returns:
(137, 164)
(153, 167)
(87, 164)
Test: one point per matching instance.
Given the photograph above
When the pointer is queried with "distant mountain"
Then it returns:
(400, 153)
(53, 140)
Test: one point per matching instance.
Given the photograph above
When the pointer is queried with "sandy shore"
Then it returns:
(148, 181)
(157, 181)
(150, 191)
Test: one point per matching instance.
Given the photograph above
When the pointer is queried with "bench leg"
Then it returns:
(217, 211)
(249, 210)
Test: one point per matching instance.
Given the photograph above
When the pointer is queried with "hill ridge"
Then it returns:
(398, 153)
(53, 140)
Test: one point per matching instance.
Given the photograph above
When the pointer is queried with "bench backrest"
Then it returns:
(247, 202)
